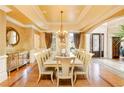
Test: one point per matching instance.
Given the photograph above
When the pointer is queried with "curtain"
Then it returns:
(77, 39)
(83, 40)
(48, 39)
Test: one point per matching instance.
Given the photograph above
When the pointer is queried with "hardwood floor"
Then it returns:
(16, 75)
(28, 75)
(29, 80)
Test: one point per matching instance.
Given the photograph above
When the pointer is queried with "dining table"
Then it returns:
(52, 62)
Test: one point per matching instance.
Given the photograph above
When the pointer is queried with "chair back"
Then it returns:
(39, 62)
(87, 61)
(44, 56)
(48, 54)
(65, 65)
(82, 56)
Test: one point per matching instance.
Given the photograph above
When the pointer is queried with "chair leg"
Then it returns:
(52, 78)
(72, 81)
(75, 77)
(39, 78)
(57, 82)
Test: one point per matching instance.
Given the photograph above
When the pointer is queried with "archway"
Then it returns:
(109, 30)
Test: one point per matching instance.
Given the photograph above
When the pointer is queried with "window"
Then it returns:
(53, 45)
(71, 44)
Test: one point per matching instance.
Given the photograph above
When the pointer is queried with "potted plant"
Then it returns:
(121, 35)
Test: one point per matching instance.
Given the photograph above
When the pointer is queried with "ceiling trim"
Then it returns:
(83, 13)
(94, 20)
(103, 17)
(37, 10)
(14, 21)
(80, 17)
(5, 8)
(33, 13)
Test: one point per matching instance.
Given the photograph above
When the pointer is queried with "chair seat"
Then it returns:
(50, 63)
(47, 72)
(79, 70)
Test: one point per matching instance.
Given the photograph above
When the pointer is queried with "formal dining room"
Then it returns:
(61, 45)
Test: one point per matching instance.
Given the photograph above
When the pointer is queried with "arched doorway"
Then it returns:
(111, 49)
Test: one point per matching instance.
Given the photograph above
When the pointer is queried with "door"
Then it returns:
(97, 44)
(115, 47)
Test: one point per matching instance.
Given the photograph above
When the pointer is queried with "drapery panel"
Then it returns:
(77, 39)
(48, 39)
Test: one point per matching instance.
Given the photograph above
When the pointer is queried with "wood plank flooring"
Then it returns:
(28, 75)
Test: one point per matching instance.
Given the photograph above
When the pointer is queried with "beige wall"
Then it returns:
(2, 33)
(43, 43)
(27, 37)
(25, 34)
(29, 34)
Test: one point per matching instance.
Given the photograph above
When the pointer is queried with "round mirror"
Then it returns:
(12, 36)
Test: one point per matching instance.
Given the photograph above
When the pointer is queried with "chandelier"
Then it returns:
(61, 33)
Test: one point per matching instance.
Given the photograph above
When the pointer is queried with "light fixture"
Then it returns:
(61, 33)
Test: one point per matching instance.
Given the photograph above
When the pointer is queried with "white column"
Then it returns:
(3, 68)
(3, 57)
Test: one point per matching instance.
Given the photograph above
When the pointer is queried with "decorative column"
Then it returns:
(3, 57)
(3, 68)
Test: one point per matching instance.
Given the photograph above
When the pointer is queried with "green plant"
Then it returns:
(121, 32)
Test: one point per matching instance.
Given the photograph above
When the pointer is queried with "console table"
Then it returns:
(17, 59)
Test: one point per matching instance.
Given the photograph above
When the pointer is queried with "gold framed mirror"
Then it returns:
(12, 36)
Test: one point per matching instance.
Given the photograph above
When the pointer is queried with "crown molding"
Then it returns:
(5, 8)
(10, 19)
(33, 13)
(38, 11)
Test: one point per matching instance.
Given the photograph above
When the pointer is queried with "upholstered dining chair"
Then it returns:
(65, 68)
(78, 54)
(49, 61)
(43, 70)
(44, 54)
(48, 54)
(83, 70)
(81, 57)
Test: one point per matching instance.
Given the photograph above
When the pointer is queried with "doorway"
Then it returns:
(115, 47)
(97, 44)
